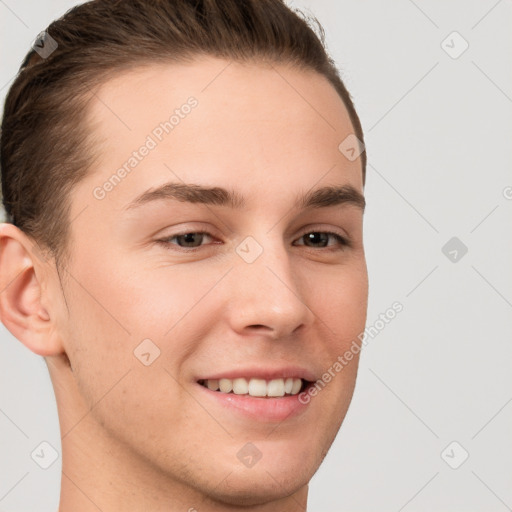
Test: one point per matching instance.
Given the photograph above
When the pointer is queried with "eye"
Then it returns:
(192, 240)
(188, 240)
(313, 238)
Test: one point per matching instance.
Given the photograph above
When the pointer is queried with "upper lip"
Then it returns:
(262, 372)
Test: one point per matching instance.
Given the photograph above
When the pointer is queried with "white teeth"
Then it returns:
(255, 387)
(240, 387)
(225, 385)
(296, 386)
(276, 387)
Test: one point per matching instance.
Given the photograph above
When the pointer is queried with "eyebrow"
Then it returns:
(192, 193)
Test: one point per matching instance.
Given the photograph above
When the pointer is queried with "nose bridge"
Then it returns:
(267, 293)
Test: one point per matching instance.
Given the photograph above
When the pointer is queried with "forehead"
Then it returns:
(218, 122)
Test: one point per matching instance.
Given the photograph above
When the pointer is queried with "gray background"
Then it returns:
(438, 136)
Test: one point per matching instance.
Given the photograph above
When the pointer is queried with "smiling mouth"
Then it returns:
(259, 388)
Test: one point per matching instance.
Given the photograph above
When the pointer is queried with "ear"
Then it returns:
(23, 270)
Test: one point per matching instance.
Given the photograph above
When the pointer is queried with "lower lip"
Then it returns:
(259, 409)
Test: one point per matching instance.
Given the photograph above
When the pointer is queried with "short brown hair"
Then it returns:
(45, 148)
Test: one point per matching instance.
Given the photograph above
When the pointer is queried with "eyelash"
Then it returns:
(166, 242)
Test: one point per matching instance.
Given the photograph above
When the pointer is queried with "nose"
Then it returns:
(268, 297)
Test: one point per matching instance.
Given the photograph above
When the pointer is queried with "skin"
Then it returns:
(138, 437)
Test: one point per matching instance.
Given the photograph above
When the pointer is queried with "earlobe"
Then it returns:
(21, 309)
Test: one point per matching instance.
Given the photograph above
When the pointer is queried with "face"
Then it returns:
(213, 261)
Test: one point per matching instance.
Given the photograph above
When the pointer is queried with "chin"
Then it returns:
(250, 487)
(283, 469)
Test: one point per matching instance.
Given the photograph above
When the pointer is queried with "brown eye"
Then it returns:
(320, 239)
(317, 238)
(189, 240)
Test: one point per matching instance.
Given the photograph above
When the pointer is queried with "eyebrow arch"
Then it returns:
(192, 193)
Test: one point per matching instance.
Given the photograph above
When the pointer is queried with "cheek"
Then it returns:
(341, 315)
(108, 319)
(113, 310)
(126, 299)
(341, 301)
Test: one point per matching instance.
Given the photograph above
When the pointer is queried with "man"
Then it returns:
(200, 266)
